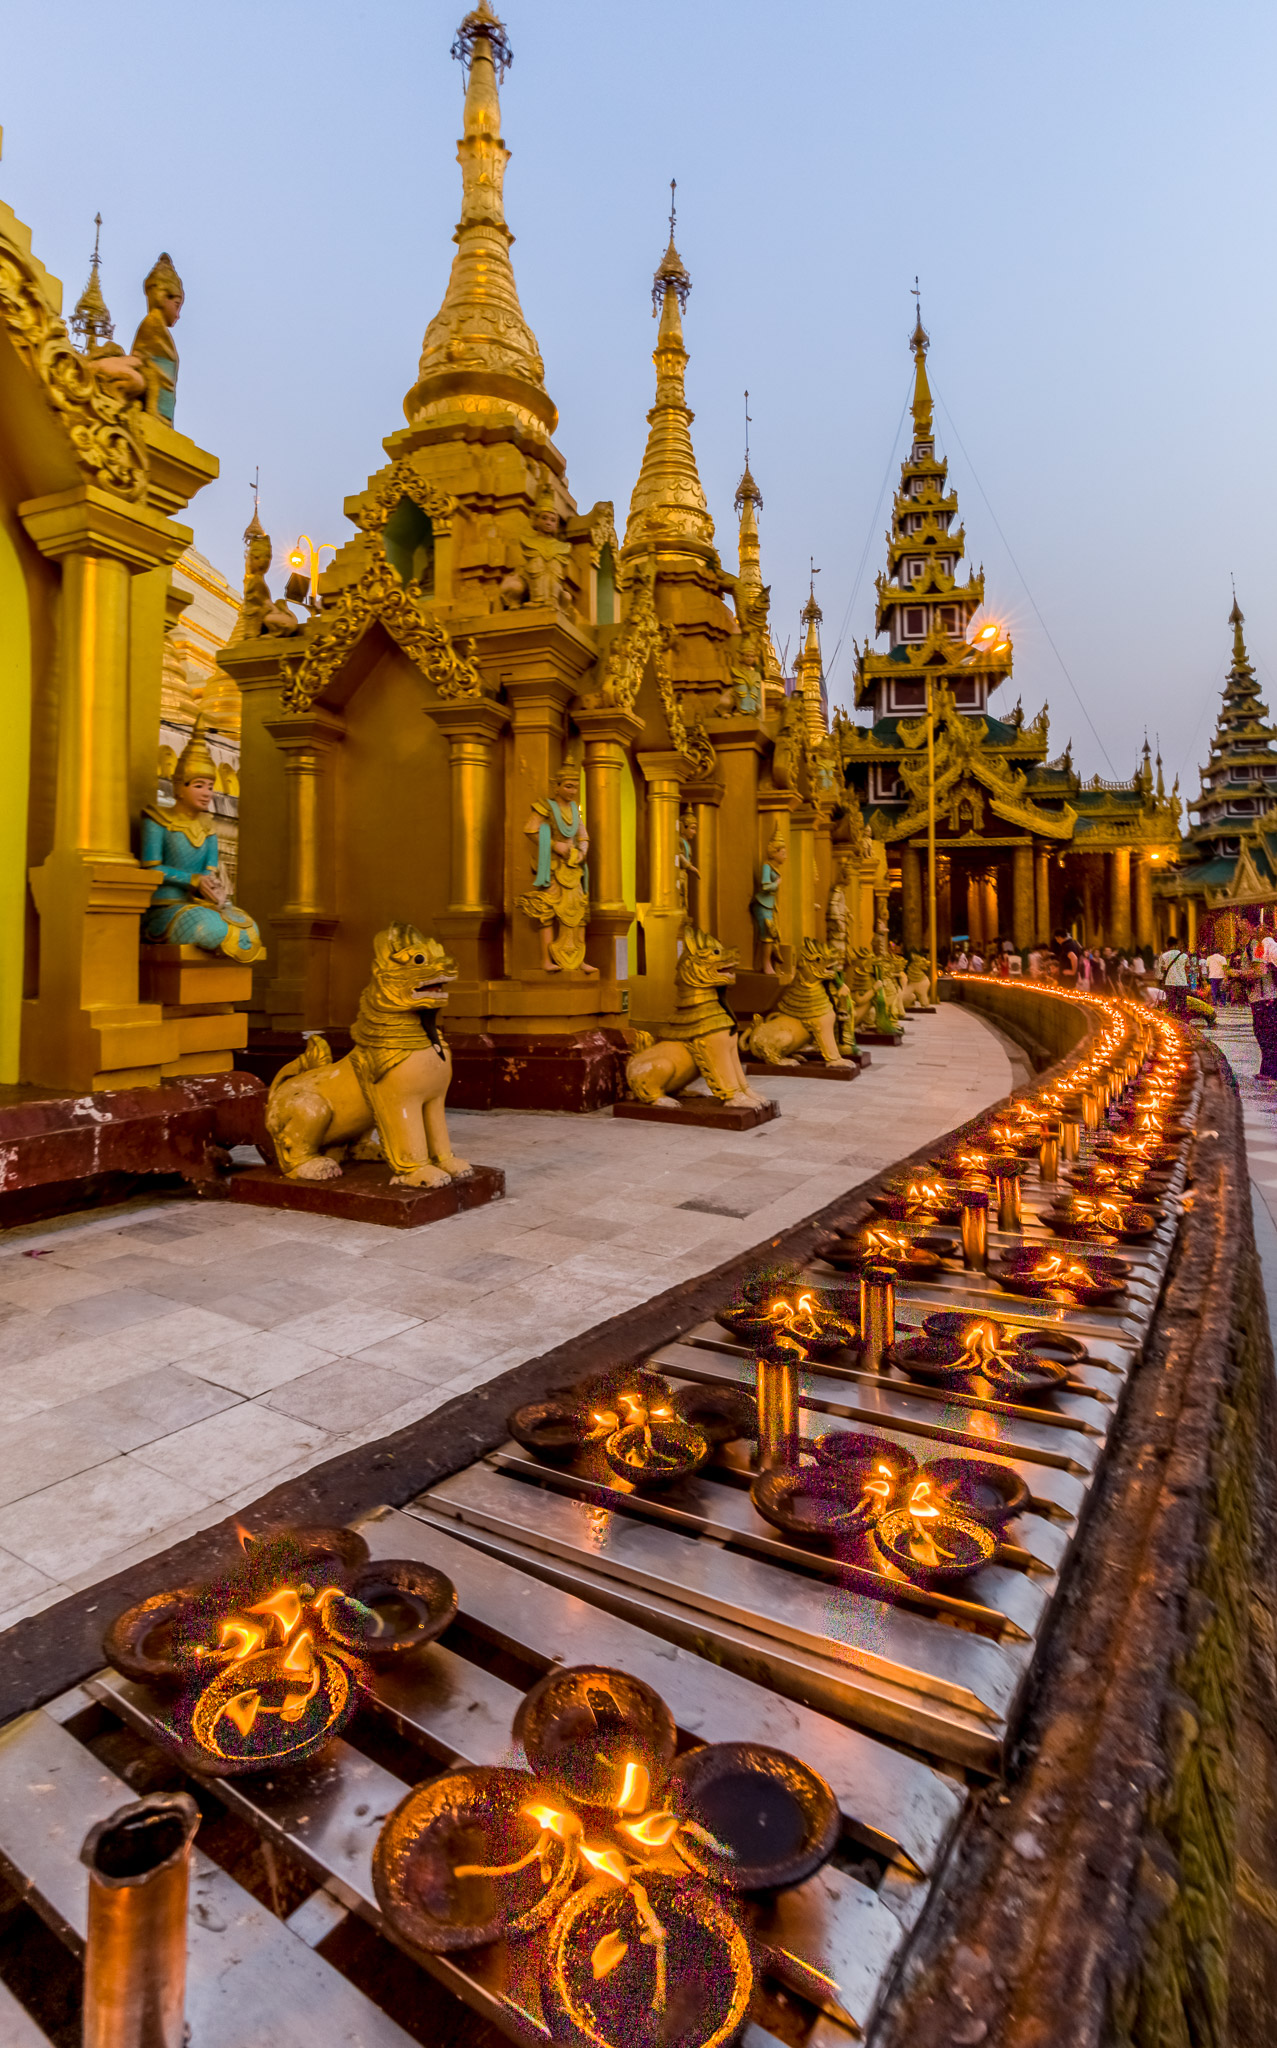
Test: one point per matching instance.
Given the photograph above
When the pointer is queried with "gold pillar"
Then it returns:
(86, 1027)
(472, 924)
(1119, 865)
(975, 913)
(739, 747)
(802, 859)
(706, 799)
(652, 996)
(1190, 912)
(911, 898)
(1042, 890)
(1143, 898)
(989, 909)
(823, 839)
(297, 997)
(1022, 921)
(607, 734)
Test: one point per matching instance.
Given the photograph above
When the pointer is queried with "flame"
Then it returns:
(285, 1607)
(552, 1823)
(250, 1638)
(243, 1711)
(882, 1482)
(246, 1536)
(635, 1788)
(921, 1505)
(608, 1862)
(654, 1831)
(607, 1954)
(302, 1655)
(1061, 1273)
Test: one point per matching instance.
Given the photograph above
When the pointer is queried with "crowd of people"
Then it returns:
(1189, 983)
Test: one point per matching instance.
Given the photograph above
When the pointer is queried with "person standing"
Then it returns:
(1172, 967)
(1069, 955)
(1216, 969)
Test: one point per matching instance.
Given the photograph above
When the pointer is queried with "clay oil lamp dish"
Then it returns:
(556, 1430)
(603, 1740)
(1064, 1275)
(960, 1324)
(1056, 1345)
(643, 1959)
(820, 1504)
(287, 1556)
(759, 1325)
(165, 1639)
(862, 1454)
(935, 1361)
(655, 1450)
(926, 1196)
(270, 1710)
(1021, 1137)
(1100, 1215)
(606, 1391)
(722, 1414)
(968, 1165)
(752, 1818)
(474, 1857)
(1024, 1375)
(979, 1487)
(881, 1244)
(932, 1541)
(391, 1606)
(822, 1328)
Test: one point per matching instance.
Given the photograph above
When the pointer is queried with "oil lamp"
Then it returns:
(601, 1739)
(930, 1540)
(1007, 1171)
(776, 1388)
(877, 1316)
(975, 1228)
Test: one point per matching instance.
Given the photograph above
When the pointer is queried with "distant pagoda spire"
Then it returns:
(748, 505)
(667, 506)
(1239, 781)
(809, 669)
(479, 348)
(922, 606)
(91, 324)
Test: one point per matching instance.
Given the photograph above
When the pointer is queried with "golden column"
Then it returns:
(802, 859)
(473, 921)
(1042, 890)
(607, 733)
(297, 998)
(1119, 919)
(1022, 920)
(739, 747)
(975, 914)
(1143, 898)
(662, 914)
(911, 898)
(86, 1027)
(703, 892)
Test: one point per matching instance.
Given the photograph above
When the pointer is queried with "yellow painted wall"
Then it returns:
(15, 752)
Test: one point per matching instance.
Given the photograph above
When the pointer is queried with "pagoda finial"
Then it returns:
(668, 503)
(91, 324)
(920, 342)
(1237, 619)
(809, 668)
(479, 348)
(747, 491)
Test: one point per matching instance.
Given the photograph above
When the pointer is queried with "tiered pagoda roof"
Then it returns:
(1230, 854)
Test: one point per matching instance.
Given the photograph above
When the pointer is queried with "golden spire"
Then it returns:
(668, 505)
(749, 503)
(920, 342)
(1237, 619)
(809, 669)
(90, 323)
(479, 345)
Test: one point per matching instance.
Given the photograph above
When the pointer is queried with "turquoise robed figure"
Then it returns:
(192, 904)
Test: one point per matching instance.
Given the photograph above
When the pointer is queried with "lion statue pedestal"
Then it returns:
(804, 1021)
(366, 1136)
(700, 1040)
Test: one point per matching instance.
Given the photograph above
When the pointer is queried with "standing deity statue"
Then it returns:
(192, 905)
(149, 372)
(838, 911)
(536, 576)
(684, 866)
(559, 899)
(260, 612)
(763, 903)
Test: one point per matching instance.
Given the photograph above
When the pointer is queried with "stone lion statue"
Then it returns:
(918, 981)
(876, 1006)
(701, 1039)
(803, 1017)
(385, 1100)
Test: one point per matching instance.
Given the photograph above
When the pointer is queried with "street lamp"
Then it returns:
(304, 561)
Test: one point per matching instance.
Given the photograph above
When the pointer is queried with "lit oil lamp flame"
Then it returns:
(922, 1510)
(241, 1638)
(635, 1788)
(549, 1823)
(1061, 1272)
(882, 1482)
(608, 1863)
(654, 1831)
(607, 1954)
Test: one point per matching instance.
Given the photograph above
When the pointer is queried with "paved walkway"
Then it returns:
(1236, 1040)
(164, 1364)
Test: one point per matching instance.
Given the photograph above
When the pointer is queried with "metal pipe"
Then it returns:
(1006, 1173)
(135, 1960)
(975, 1228)
(1049, 1152)
(777, 1388)
(877, 1316)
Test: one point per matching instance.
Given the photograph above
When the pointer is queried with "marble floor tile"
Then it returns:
(491, 1269)
(257, 1362)
(99, 1314)
(245, 1445)
(82, 1522)
(409, 1291)
(343, 1396)
(152, 1404)
(346, 1326)
(420, 1354)
(39, 1285)
(48, 1447)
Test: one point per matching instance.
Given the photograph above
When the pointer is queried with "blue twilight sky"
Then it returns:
(1086, 189)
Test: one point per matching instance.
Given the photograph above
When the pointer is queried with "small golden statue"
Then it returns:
(700, 1039)
(805, 1015)
(559, 899)
(260, 612)
(149, 372)
(763, 904)
(838, 913)
(192, 906)
(684, 865)
(918, 980)
(386, 1099)
(537, 575)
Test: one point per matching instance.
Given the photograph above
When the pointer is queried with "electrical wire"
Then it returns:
(1020, 573)
(869, 537)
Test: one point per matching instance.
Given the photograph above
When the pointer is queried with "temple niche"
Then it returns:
(488, 659)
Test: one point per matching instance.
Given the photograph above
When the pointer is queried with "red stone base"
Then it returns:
(579, 1071)
(363, 1194)
(864, 1037)
(700, 1110)
(806, 1070)
(59, 1153)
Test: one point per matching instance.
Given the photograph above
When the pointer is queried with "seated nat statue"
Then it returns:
(386, 1099)
(804, 1017)
(700, 1039)
(192, 905)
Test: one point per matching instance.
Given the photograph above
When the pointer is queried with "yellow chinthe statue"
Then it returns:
(701, 1039)
(804, 1016)
(386, 1098)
